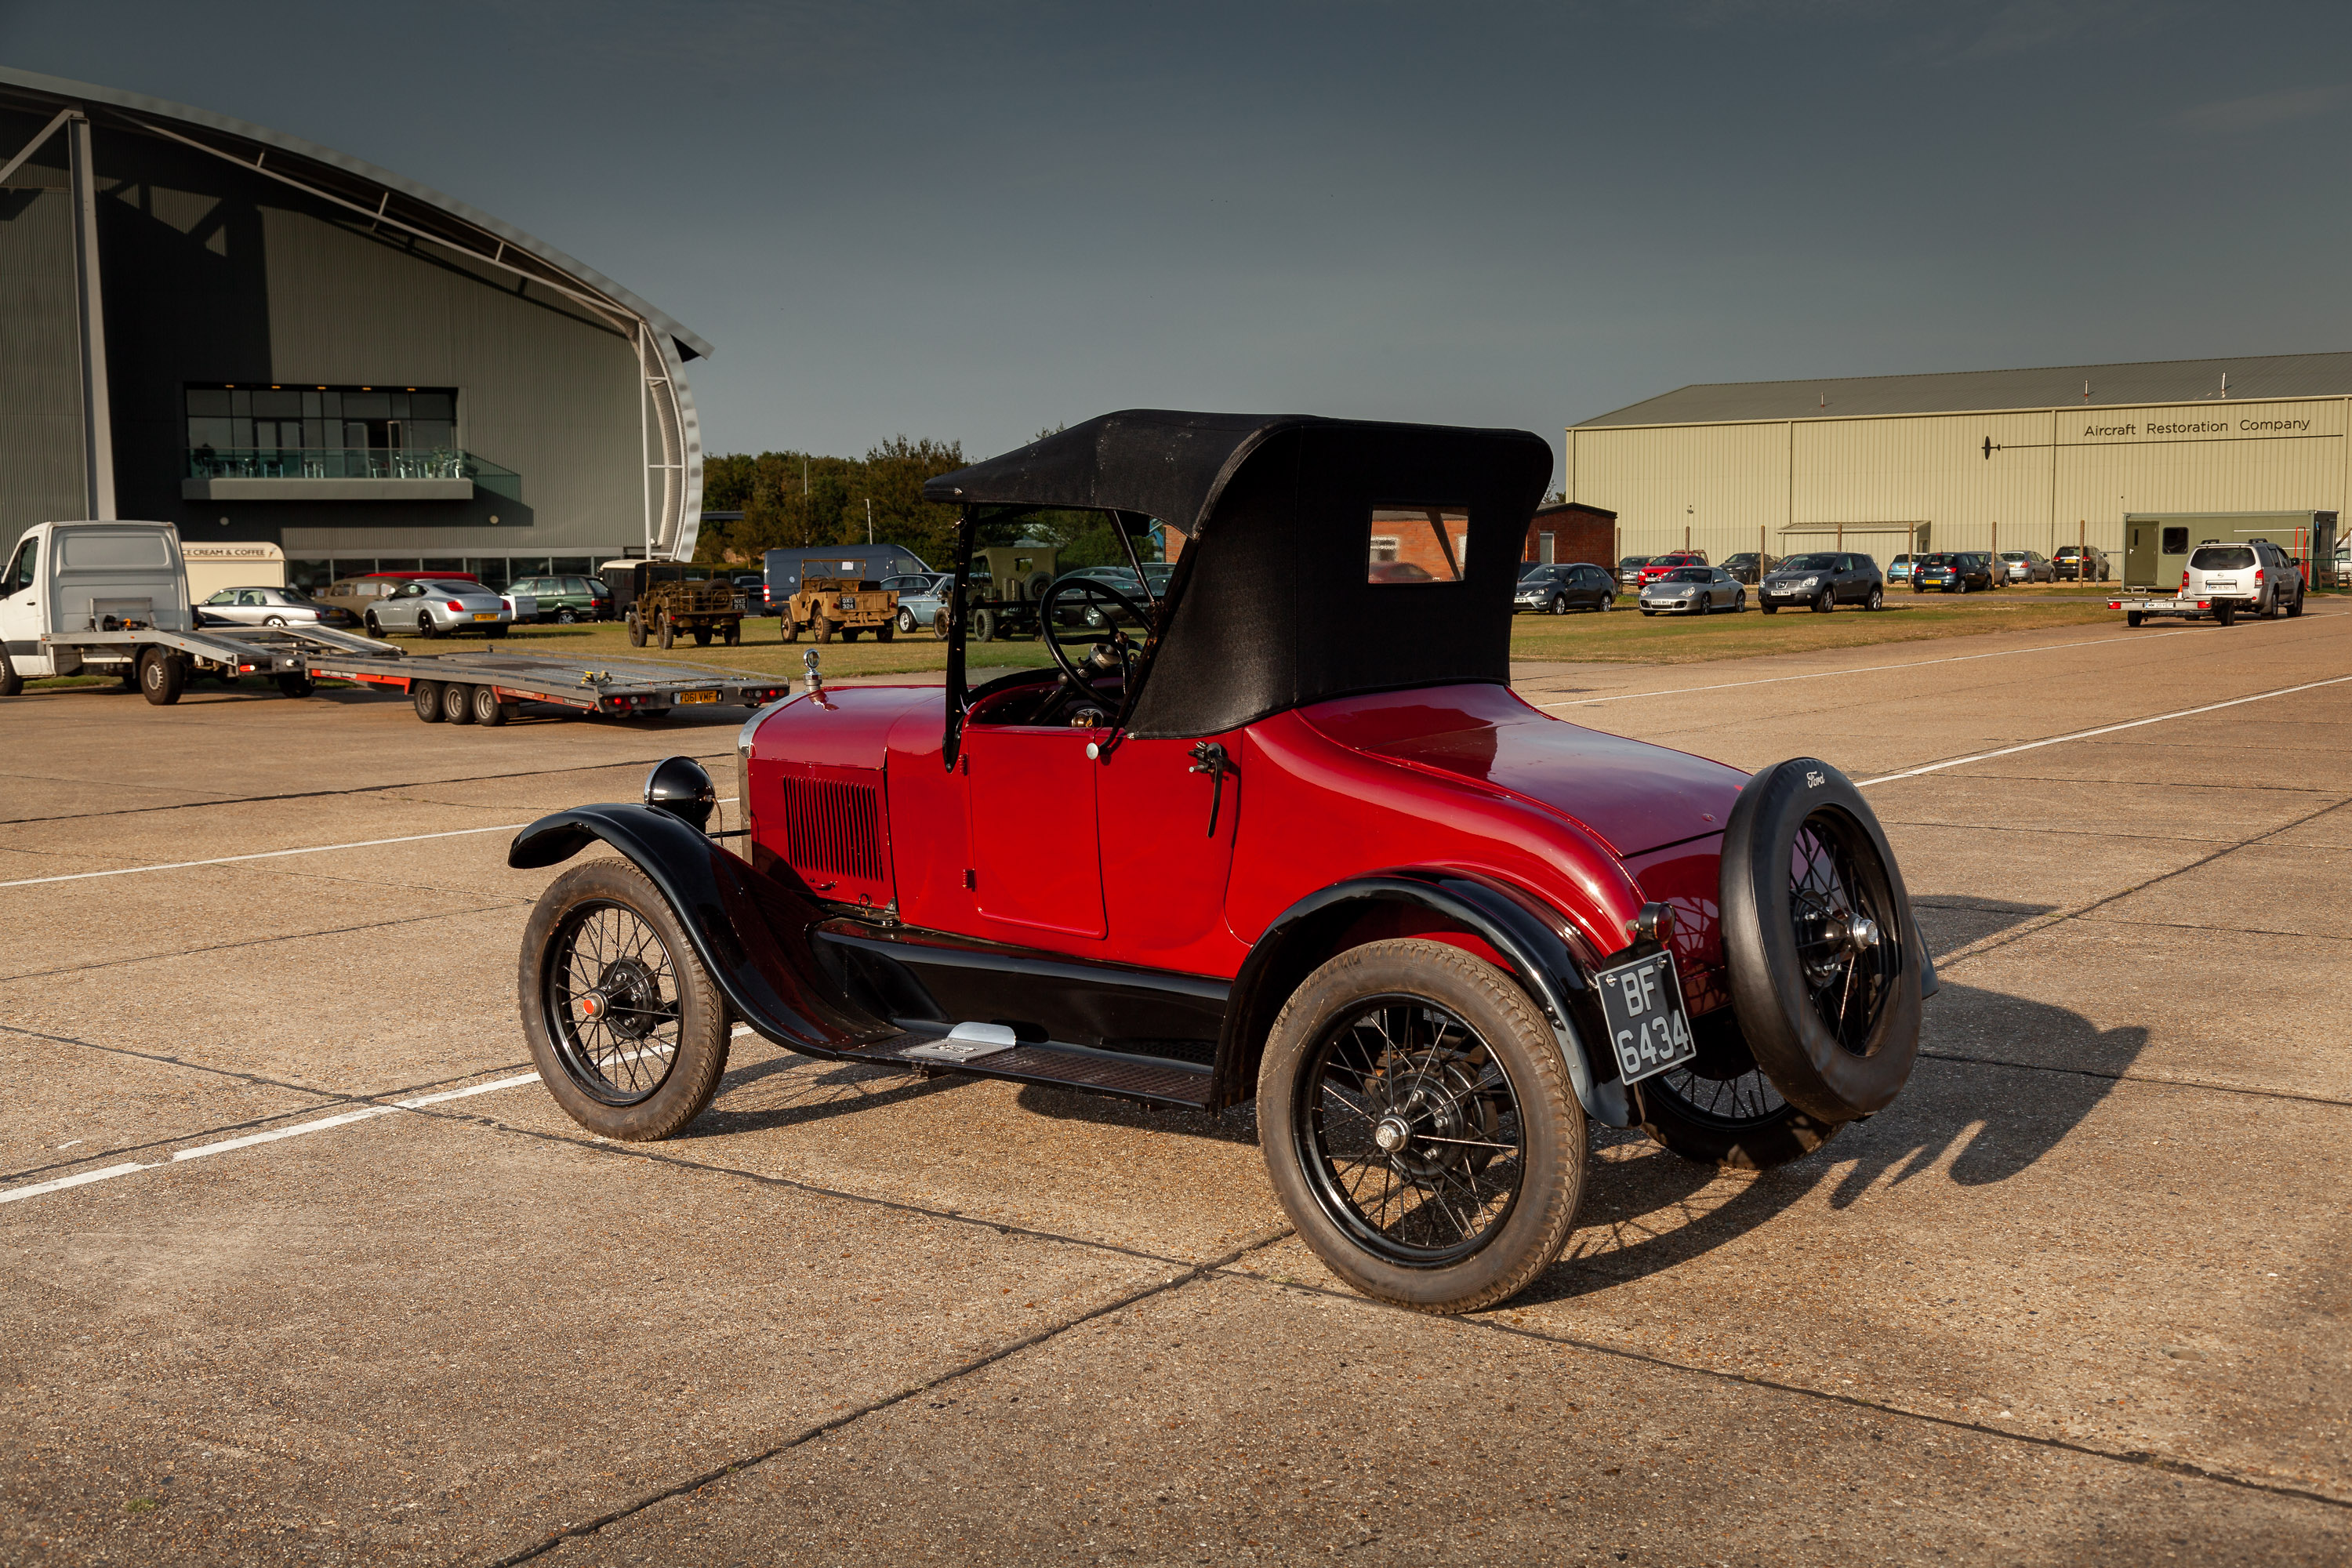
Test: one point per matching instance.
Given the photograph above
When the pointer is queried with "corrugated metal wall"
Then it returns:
(539, 391)
(40, 342)
(2054, 474)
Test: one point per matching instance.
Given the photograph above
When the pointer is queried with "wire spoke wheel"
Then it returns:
(614, 1003)
(1410, 1130)
(1849, 939)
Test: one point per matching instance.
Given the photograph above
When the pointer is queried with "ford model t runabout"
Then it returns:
(1315, 854)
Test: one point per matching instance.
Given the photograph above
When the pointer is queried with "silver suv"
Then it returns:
(2254, 578)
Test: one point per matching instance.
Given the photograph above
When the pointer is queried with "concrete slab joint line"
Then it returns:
(1851, 1401)
(1214, 1268)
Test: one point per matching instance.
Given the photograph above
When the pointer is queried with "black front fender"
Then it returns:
(1515, 924)
(750, 931)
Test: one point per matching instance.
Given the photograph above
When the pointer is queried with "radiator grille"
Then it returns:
(834, 827)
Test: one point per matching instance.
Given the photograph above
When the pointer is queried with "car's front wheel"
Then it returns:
(1419, 1126)
(627, 1029)
(906, 622)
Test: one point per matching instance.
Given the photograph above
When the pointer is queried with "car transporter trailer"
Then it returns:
(455, 687)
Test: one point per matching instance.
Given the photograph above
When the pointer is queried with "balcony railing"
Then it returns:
(351, 463)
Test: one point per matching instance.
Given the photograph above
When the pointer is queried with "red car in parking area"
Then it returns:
(1660, 565)
(1311, 851)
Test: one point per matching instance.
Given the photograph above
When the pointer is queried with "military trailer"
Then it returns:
(660, 599)
(826, 608)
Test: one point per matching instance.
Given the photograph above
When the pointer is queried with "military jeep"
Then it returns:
(661, 598)
(844, 606)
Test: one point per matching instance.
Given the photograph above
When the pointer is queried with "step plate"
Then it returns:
(1152, 1081)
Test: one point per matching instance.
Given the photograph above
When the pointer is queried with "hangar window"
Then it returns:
(395, 426)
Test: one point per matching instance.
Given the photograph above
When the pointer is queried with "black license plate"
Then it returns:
(1643, 1000)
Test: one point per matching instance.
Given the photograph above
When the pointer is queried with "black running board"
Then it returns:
(1149, 1080)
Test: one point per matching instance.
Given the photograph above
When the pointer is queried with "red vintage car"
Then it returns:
(1310, 850)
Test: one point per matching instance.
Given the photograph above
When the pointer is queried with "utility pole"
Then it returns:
(869, 520)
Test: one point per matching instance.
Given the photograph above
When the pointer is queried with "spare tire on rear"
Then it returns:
(1826, 965)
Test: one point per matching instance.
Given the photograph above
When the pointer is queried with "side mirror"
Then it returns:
(679, 786)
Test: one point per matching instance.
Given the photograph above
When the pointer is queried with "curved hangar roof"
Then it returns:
(395, 202)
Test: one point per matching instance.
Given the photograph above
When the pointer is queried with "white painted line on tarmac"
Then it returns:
(276, 854)
(2103, 730)
(1826, 674)
(341, 1119)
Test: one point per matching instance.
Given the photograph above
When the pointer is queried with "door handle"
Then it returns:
(1208, 757)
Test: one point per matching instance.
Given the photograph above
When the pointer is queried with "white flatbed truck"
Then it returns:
(2180, 607)
(111, 598)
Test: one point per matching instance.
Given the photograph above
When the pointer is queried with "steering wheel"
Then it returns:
(1077, 676)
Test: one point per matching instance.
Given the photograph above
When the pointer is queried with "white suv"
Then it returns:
(2254, 578)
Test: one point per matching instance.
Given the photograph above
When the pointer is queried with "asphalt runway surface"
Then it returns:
(302, 1265)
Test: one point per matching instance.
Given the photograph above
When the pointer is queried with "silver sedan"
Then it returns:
(433, 608)
(1694, 591)
(273, 607)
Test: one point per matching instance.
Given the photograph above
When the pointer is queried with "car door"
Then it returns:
(1171, 809)
(1029, 818)
(20, 610)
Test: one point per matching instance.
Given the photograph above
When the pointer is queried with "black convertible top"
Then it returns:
(1270, 607)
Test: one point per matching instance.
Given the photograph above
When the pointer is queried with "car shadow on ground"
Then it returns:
(1975, 1113)
(760, 1097)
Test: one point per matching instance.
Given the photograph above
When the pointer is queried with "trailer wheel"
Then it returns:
(2225, 615)
(425, 696)
(10, 683)
(2132, 618)
(636, 630)
(487, 708)
(297, 685)
(161, 676)
(457, 703)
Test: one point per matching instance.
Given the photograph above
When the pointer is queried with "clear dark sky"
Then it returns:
(970, 221)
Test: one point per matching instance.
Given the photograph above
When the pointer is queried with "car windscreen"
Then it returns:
(2223, 558)
(1810, 564)
(1690, 574)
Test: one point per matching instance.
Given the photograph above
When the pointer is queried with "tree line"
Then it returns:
(792, 500)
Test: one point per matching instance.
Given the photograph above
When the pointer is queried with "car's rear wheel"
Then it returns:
(279, 621)
(2225, 615)
(2296, 609)
(626, 1026)
(1719, 1108)
(425, 625)
(1824, 959)
(885, 631)
(1419, 1126)
(565, 617)
(2132, 618)
(424, 696)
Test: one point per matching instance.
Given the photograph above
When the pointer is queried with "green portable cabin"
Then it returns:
(2156, 543)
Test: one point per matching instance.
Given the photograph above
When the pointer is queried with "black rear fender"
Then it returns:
(1526, 935)
(750, 931)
